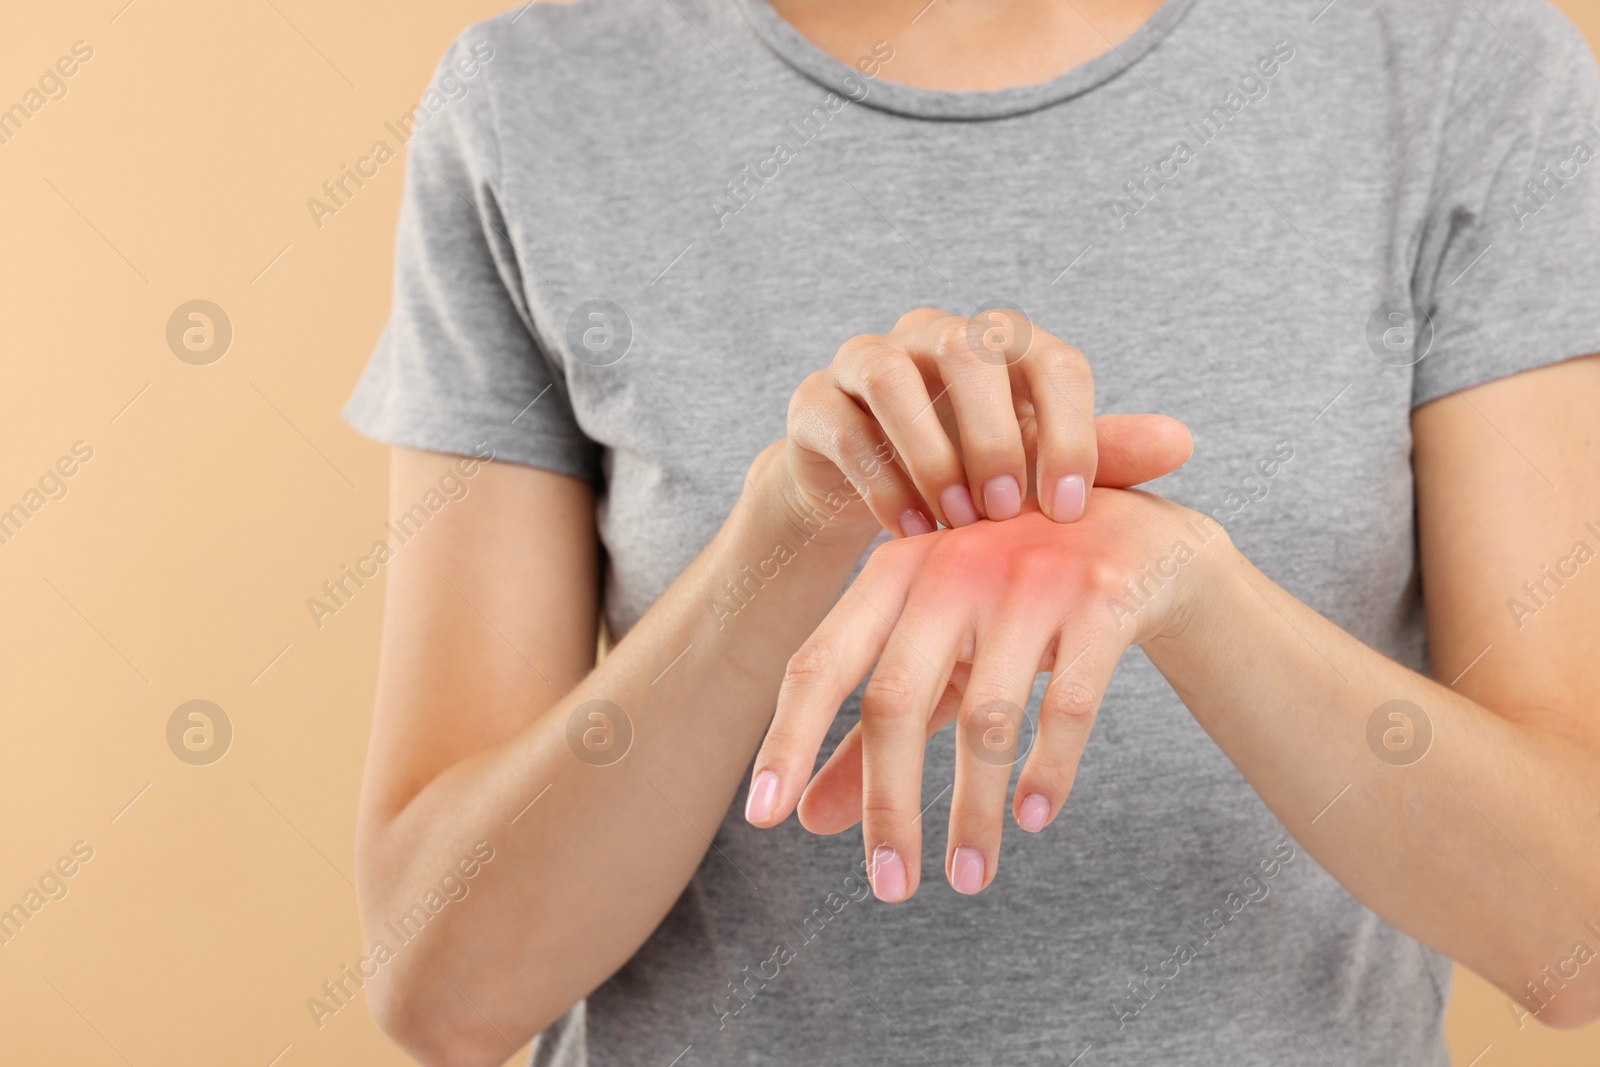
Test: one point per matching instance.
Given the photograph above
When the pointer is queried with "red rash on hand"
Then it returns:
(950, 625)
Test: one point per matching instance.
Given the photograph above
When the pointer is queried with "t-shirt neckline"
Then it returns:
(800, 53)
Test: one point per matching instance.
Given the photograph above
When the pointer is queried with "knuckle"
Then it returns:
(814, 665)
(917, 317)
(1064, 357)
(817, 381)
(779, 742)
(1100, 578)
(856, 346)
(993, 729)
(882, 811)
(988, 705)
(887, 374)
(810, 391)
(953, 341)
(1069, 700)
(992, 439)
(1065, 368)
(1037, 566)
(1047, 772)
(854, 438)
(889, 692)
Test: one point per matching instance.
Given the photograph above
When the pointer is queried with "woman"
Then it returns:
(730, 288)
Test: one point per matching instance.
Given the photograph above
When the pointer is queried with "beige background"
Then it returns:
(218, 499)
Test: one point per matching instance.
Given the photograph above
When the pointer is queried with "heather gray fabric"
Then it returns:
(1219, 227)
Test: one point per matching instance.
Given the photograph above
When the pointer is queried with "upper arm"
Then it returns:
(1506, 456)
(490, 618)
(1508, 513)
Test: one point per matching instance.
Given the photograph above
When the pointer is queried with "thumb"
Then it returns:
(1139, 448)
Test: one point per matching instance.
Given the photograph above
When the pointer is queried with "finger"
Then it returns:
(970, 357)
(825, 806)
(825, 670)
(1061, 388)
(1066, 715)
(831, 803)
(1139, 448)
(827, 424)
(988, 729)
(911, 675)
(885, 380)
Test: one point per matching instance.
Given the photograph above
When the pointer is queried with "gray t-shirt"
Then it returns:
(631, 227)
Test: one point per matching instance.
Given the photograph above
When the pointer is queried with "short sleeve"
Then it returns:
(1509, 265)
(458, 364)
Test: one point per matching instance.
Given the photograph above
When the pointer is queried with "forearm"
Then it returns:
(1471, 848)
(590, 854)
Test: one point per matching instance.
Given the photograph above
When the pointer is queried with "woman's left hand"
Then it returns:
(959, 623)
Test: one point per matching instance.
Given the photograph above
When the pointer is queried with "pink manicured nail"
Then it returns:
(966, 870)
(1001, 497)
(957, 504)
(1034, 813)
(1067, 503)
(888, 874)
(914, 522)
(763, 798)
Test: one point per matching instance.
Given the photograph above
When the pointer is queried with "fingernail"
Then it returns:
(1034, 813)
(763, 798)
(1001, 497)
(914, 522)
(888, 874)
(966, 870)
(957, 504)
(1067, 504)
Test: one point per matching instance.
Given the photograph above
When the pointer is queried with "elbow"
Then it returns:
(456, 1017)
(433, 1023)
(449, 994)
(1564, 1012)
(1563, 994)
(409, 997)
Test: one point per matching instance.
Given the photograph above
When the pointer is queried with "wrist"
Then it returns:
(775, 513)
(1209, 567)
(771, 573)
(834, 521)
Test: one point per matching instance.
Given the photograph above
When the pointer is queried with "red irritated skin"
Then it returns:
(959, 623)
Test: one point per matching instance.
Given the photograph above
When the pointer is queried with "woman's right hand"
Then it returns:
(935, 423)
